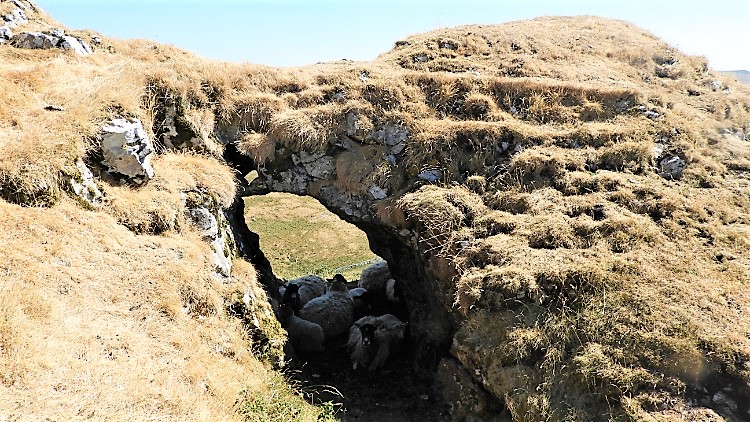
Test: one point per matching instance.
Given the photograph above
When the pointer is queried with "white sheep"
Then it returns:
(359, 295)
(375, 276)
(301, 290)
(384, 294)
(334, 311)
(305, 336)
(378, 280)
(372, 339)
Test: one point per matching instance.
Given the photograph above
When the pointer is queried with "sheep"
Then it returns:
(383, 291)
(361, 298)
(373, 339)
(375, 276)
(359, 295)
(305, 336)
(302, 290)
(334, 311)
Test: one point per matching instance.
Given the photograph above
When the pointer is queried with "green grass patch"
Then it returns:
(300, 236)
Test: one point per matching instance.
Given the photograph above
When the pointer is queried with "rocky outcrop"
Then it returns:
(54, 39)
(127, 150)
(15, 18)
(210, 220)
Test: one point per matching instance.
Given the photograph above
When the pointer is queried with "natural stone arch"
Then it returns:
(315, 175)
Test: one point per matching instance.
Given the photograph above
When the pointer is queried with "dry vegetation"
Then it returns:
(587, 286)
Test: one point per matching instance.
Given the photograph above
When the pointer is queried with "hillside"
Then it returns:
(563, 199)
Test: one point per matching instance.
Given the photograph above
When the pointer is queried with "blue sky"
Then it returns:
(296, 32)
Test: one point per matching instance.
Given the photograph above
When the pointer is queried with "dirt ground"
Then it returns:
(394, 393)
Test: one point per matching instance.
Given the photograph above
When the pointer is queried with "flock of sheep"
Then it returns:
(314, 312)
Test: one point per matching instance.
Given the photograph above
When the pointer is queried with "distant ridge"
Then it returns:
(742, 76)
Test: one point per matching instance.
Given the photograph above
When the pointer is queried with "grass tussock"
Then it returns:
(160, 206)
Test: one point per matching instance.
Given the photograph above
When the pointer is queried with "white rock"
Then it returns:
(377, 192)
(127, 150)
(19, 17)
(79, 46)
(205, 221)
(431, 176)
(85, 187)
(173, 138)
(672, 167)
(322, 168)
(391, 134)
(222, 260)
(5, 33)
(20, 4)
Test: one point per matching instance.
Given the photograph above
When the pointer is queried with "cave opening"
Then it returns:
(299, 236)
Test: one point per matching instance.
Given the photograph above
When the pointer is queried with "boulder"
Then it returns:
(77, 45)
(127, 150)
(54, 39)
(35, 40)
(671, 167)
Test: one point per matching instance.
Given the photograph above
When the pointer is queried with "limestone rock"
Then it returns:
(54, 39)
(127, 150)
(671, 167)
(35, 40)
(431, 176)
(391, 134)
(318, 166)
(79, 46)
(222, 253)
(5, 33)
(84, 187)
(15, 18)
(468, 400)
(20, 4)
(206, 216)
(177, 133)
(205, 221)
(377, 192)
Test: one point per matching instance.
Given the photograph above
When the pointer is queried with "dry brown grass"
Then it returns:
(100, 323)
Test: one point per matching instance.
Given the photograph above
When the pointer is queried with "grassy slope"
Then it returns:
(301, 237)
(101, 322)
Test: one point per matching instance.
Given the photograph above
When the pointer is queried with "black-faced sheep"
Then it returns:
(334, 311)
(373, 339)
(305, 336)
(301, 290)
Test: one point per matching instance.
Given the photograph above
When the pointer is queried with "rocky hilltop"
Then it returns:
(564, 199)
